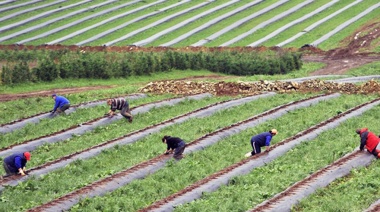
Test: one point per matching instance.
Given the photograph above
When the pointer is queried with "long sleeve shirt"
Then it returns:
(262, 139)
(59, 102)
(118, 104)
(172, 142)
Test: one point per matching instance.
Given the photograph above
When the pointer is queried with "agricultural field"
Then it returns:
(213, 73)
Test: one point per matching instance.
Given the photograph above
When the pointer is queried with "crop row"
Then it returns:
(137, 152)
(201, 164)
(115, 21)
(159, 146)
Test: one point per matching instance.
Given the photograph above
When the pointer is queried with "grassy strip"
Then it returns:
(264, 182)
(10, 110)
(334, 41)
(81, 173)
(117, 129)
(368, 69)
(300, 26)
(175, 176)
(48, 126)
(346, 193)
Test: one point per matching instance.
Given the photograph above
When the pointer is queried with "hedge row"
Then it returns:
(50, 65)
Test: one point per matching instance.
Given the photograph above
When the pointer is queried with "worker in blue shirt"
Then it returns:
(61, 104)
(15, 163)
(261, 140)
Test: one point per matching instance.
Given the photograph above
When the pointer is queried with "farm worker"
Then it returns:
(174, 143)
(122, 105)
(368, 140)
(16, 163)
(61, 104)
(262, 139)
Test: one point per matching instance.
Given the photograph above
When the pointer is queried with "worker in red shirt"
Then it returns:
(369, 140)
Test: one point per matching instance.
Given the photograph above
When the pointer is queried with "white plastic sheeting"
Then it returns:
(183, 23)
(239, 22)
(211, 22)
(314, 25)
(76, 22)
(267, 22)
(290, 24)
(51, 21)
(345, 24)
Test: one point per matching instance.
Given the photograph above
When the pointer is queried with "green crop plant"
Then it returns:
(48, 126)
(262, 183)
(195, 166)
(76, 174)
(57, 150)
(355, 192)
(368, 69)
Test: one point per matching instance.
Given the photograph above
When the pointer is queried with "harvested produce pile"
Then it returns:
(236, 88)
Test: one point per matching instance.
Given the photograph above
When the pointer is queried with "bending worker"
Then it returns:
(174, 144)
(368, 140)
(61, 104)
(122, 105)
(261, 140)
(16, 163)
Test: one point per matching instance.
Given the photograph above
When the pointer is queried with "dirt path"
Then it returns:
(45, 93)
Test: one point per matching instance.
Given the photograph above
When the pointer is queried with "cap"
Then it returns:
(274, 131)
(358, 131)
(53, 95)
(27, 155)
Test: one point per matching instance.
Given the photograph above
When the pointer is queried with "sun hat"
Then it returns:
(27, 155)
(274, 131)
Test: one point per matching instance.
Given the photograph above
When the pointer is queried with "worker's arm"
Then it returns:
(363, 140)
(267, 142)
(18, 165)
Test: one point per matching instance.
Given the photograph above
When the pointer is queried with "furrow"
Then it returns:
(214, 181)
(89, 126)
(143, 169)
(129, 138)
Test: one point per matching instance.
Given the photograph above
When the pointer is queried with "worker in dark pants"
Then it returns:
(174, 144)
(61, 104)
(369, 140)
(122, 105)
(15, 163)
(261, 140)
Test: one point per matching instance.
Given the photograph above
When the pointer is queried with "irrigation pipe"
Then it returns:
(6, 128)
(184, 23)
(267, 22)
(141, 170)
(89, 126)
(129, 138)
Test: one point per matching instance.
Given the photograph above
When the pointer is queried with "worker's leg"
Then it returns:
(125, 111)
(376, 153)
(8, 170)
(178, 153)
(256, 148)
(63, 108)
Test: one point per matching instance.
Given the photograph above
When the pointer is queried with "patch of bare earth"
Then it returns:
(46, 93)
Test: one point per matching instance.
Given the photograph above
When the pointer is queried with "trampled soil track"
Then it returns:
(87, 190)
(47, 93)
(222, 172)
(76, 126)
(30, 171)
